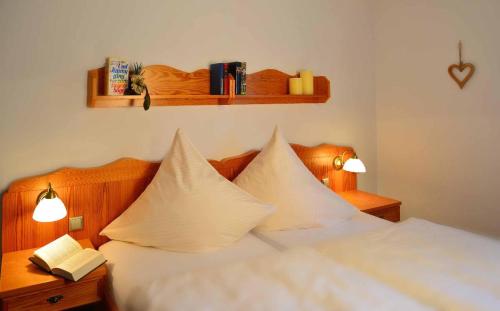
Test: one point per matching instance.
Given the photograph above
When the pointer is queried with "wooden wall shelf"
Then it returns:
(172, 87)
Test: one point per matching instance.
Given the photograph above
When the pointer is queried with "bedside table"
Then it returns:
(24, 286)
(373, 204)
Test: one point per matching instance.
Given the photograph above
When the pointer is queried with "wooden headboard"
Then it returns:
(103, 193)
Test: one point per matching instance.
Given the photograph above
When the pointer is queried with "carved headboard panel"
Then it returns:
(103, 193)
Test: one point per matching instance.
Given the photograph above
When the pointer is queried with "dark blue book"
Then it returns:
(217, 79)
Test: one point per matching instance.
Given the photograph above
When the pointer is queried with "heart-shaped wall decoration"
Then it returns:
(454, 70)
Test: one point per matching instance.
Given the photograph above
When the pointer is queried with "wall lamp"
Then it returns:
(353, 164)
(49, 207)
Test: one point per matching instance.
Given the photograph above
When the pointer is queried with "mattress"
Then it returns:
(361, 222)
(133, 268)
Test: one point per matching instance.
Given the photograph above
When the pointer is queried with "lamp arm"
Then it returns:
(345, 152)
(48, 193)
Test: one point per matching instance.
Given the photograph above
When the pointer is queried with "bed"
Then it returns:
(101, 194)
(324, 268)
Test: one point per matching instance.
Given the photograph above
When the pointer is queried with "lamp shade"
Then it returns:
(354, 165)
(49, 207)
(48, 210)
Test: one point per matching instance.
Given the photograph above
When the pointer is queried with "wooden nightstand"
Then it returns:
(373, 204)
(24, 286)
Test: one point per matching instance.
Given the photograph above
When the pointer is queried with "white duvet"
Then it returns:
(442, 267)
(298, 279)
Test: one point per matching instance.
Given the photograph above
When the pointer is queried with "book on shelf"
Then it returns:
(235, 71)
(243, 81)
(226, 79)
(231, 85)
(219, 81)
(116, 76)
(66, 257)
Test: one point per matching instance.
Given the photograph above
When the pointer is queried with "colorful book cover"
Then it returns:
(116, 76)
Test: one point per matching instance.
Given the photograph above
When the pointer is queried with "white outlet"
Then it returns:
(325, 181)
(75, 223)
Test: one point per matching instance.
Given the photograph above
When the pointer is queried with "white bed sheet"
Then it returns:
(133, 268)
(361, 222)
(439, 266)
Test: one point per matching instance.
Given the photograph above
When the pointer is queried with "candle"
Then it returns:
(295, 86)
(307, 82)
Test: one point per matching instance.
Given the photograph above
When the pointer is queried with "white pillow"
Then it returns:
(277, 176)
(188, 206)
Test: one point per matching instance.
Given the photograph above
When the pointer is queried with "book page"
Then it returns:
(37, 261)
(80, 264)
(58, 251)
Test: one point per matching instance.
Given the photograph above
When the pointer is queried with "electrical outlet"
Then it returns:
(75, 223)
(325, 181)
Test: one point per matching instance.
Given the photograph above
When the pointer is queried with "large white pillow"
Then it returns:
(277, 176)
(188, 206)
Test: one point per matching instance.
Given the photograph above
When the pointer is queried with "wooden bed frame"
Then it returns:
(101, 194)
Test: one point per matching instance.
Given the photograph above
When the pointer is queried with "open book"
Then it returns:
(65, 257)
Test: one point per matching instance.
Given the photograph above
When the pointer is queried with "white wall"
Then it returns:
(438, 146)
(48, 46)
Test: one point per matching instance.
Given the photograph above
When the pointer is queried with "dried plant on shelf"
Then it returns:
(137, 85)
